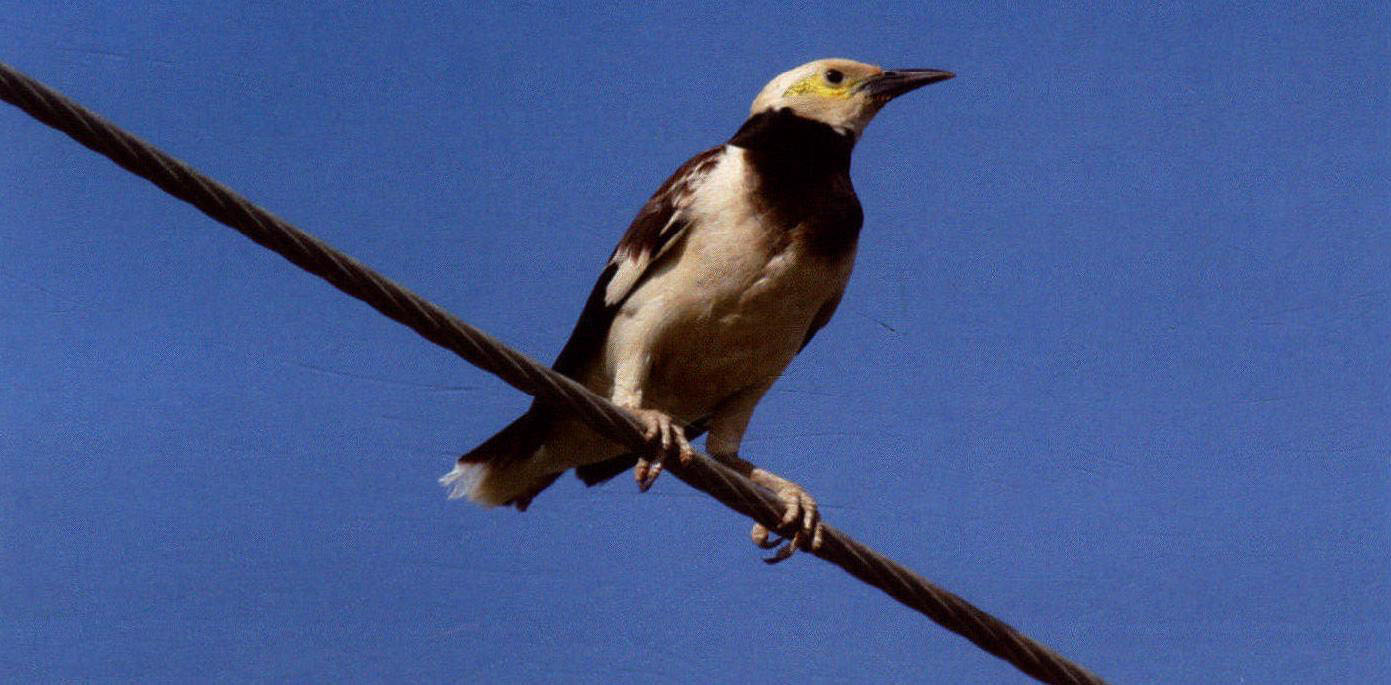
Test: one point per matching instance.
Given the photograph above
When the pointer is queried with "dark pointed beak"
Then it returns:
(892, 84)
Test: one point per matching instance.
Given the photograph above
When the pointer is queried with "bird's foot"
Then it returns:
(800, 511)
(668, 438)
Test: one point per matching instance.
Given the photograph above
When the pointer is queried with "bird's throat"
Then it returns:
(783, 142)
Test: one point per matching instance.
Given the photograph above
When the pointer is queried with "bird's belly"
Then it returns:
(724, 318)
(706, 360)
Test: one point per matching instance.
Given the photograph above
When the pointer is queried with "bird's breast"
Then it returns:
(731, 307)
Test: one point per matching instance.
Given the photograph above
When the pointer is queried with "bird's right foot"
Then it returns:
(799, 516)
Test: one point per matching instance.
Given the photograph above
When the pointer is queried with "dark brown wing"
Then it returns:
(657, 226)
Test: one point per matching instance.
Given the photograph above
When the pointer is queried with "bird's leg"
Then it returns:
(799, 510)
(800, 517)
(667, 437)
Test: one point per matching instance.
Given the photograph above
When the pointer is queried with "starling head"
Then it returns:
(841, 93)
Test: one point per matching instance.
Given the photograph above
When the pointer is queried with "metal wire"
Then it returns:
(519, 371)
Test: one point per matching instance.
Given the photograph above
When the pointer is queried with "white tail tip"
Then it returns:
(463, 480)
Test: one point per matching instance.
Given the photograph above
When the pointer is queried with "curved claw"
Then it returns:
(760, 537)
(782, 555)
(646, 473)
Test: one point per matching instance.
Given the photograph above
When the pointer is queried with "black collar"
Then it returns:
(786, 142)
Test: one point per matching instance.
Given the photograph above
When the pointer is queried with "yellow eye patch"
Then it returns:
(816, 85)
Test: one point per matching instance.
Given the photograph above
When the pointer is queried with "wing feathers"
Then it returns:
(655, 229)
(658, 225)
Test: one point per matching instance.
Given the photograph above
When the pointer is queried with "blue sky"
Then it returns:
(1113, 364)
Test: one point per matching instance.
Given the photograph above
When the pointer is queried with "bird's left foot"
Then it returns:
(667, 437)
(800, 511)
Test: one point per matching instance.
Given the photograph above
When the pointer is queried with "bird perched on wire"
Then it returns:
(727, 272)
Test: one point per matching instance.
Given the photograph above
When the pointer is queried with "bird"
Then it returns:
(726, 273)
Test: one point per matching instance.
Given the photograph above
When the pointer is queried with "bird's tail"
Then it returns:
(506, 469)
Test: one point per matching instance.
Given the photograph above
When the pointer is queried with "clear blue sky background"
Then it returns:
(1113, 365)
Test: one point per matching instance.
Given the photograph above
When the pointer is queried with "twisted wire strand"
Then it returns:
(519, 371)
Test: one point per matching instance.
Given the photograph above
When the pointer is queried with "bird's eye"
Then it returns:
(833, 76)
